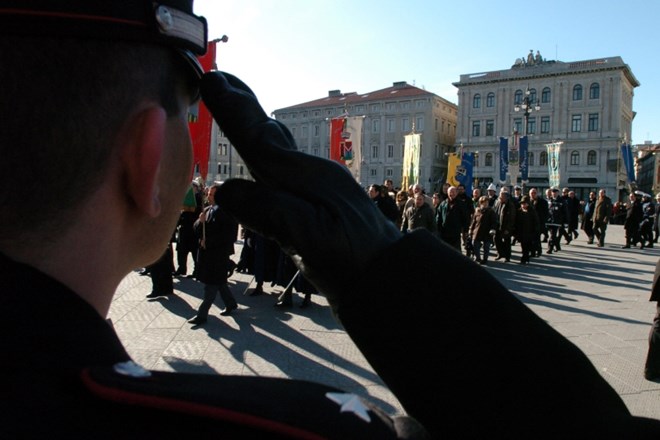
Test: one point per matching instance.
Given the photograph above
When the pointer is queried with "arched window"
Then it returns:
(545, 95)
(476, 101)
(575, 158)
(530, 159)
(489, 160)
(490, 100)
(518, 97)
(594, 91)
(577, 92)
(543, 159)
(591, 157)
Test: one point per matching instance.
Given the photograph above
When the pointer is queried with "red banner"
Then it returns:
(336, 130)
(200, 121)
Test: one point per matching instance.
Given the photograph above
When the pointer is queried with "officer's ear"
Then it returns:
(142, 142)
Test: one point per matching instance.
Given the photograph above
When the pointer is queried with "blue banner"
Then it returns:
(524, 163)
(628, 162)
(504, 158)
(464, 172)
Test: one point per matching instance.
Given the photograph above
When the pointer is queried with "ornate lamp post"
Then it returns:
(528, 104)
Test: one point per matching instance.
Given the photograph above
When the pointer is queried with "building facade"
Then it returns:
(389, 115)
(585, 105)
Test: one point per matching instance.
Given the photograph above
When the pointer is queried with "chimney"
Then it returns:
(399, 84)
(334, 93)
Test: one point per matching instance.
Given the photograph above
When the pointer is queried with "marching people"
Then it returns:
(602, 213)
(482, 230)
(634, 215)
(587, 218)
(527, 227)
(556, 220)
(505, 211)
(217, 234)
(540, 206)
(451, 216)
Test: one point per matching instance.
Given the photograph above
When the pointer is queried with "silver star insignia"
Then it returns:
(131, 369)
(350, 403)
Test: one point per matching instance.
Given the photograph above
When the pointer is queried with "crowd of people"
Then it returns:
(501, 219)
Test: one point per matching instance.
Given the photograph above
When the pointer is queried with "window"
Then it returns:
(576, 123)
(359, 109)
(594, 91)
(437, 151)
(476, 128)
(304, 131)
(375, 126)
(591, 157)
(577, 92)
(389, 172)
(373, 172)
(517, 125)
(489, 160)
(531, 125)
(420, 103)
(391, 125)
(436, 124)
(317, 130)
(575, 158)
(545, 95)
(374, 151)
(219, 168)
(391, 106)
(545, 124)
(405, 125)
(390, 151)
(490, 100)
(593, 122)
(476, 101)
(419, 123)
(543, 158)
(375, 108)
(490, 127)
(405, 105)
(223, 149)
(293, 131)
(241, 170)
(530, 159)
(518, 97)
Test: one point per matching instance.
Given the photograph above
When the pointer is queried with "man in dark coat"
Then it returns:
(217, 234)
(385, 203)
(588, 216)
(652, 365)
(540, 206)
(505, 210)
(634, 215)
(452, 219)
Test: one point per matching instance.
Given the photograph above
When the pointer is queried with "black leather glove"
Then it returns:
(311, 206)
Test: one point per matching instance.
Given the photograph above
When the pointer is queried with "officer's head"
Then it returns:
(73, 72)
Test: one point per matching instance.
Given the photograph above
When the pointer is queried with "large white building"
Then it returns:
(389, 115)
(587, 105)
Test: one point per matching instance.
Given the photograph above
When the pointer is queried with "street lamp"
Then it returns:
(528, 105)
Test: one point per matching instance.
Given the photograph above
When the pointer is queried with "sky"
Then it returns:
(294, 51)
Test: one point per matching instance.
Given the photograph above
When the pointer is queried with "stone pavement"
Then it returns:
(596, 297)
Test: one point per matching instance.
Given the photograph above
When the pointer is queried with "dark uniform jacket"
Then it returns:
(65, 374)
(219, 232)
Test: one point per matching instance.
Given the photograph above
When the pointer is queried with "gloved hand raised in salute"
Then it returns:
(311, 206)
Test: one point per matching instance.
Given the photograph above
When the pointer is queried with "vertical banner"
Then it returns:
(200, 121)
(336, 131)
(453, 164)
(411, 160)
(553, 163)
(351, 146)
(524, 163)
(628, 162)
(464, 172)
(504, 159)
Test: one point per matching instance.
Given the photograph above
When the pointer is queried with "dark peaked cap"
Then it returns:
(167, 22)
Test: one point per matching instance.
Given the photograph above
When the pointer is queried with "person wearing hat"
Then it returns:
(527, 227)
(492, 194)
(115, 98)
(646, 225)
